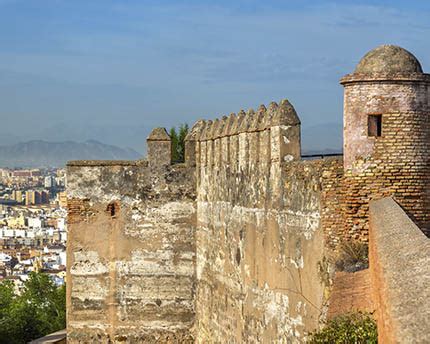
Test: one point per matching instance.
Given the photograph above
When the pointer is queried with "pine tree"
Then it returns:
(178, 143)
(174, 140)
(183, 131)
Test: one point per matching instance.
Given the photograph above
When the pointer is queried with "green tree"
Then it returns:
(39, 310)
(174, 139)
(7, 300)
(178, 142)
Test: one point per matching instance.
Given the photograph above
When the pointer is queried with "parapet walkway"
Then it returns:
(351, 292)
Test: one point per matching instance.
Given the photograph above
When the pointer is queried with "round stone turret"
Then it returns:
(386, 136)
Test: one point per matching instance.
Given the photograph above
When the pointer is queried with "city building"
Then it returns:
(17, 196)
(30, 197)
(26, 229)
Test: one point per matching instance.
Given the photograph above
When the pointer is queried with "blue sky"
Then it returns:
(112, 70)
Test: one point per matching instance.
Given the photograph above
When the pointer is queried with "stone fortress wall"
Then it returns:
(131, 252)
(232, 245)
(259, 228)
(145, 273)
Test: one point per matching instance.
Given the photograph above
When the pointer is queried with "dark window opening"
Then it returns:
(374, 125)
(111, 209)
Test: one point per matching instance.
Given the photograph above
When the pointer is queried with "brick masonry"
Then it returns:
(351, 292)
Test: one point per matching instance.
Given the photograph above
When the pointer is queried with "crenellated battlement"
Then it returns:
(267, 135)
(250, 121)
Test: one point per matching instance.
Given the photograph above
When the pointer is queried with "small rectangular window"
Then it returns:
(374, 125)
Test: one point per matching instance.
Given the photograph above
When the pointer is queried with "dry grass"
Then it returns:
(353, 256)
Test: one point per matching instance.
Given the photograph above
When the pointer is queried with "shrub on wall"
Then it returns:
(351, 328)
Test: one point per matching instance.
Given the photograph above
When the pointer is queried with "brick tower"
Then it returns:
(386, 136)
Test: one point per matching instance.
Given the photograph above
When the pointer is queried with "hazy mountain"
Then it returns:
(40, 153)
(324, 138)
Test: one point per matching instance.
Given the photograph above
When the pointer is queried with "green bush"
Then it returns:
(351, 328)
(353, 256)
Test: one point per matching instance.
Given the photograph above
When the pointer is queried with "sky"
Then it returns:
(112, 70)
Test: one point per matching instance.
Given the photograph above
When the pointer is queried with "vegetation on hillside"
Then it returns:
(38, 311)
(178, 142)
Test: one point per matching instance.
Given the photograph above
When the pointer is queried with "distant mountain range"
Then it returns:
(322, 138)
(40, 153)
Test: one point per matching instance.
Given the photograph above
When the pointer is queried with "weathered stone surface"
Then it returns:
(388, 59)
(131, 250)
(399, 255)
(259, 238)
(159, 134)
(159, 146)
